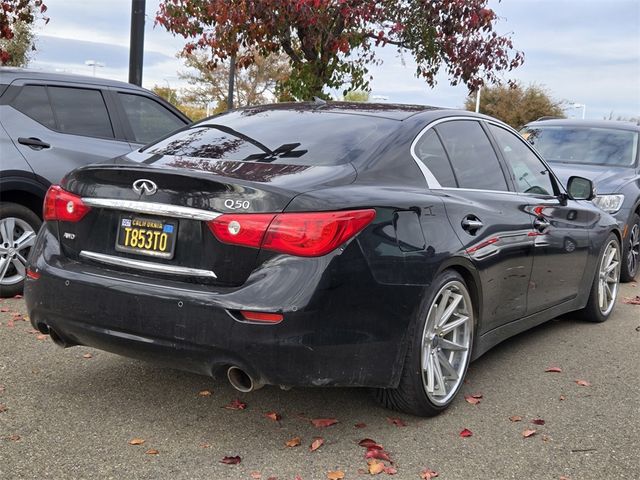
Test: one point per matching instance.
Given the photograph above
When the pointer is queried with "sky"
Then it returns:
(584, 52)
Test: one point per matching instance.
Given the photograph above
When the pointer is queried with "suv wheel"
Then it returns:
(18, 228)
(631, 251)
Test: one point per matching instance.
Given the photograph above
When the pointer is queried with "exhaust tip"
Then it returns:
(58, 340)
(241, 380)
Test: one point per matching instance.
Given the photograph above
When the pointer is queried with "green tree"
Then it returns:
(356, 96)
(16, 34)
(330, 43)
(515, 104)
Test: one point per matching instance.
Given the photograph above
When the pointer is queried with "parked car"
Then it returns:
(322, 244)
(51, 123)
(606, 152)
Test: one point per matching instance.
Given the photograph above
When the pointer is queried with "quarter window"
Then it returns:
(34, 103)
(430, 151)
(81, 111)
(474, 161)
(148, 119)
(530, 174)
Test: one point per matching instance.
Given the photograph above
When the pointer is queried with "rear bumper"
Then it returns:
(339, 328)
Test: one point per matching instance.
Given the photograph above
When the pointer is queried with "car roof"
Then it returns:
(9, 74)
(566, 122)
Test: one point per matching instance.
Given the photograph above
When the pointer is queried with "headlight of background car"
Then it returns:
(609, 203)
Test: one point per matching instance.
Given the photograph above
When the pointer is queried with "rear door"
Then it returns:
(490, 220)
(561, 245)
(58, 127)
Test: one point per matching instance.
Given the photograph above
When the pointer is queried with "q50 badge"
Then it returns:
(237, 204)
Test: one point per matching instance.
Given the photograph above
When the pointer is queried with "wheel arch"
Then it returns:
(22, 190)
(468, 272)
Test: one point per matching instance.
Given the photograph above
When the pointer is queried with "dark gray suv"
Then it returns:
(607, 153)
(52, 123)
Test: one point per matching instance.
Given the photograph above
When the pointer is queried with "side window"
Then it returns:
(34, 103)
(530, 174)
(430, 151)
(81, 111)
(149, 120)
(474, 161)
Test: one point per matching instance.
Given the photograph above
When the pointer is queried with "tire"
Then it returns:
(605, 283)
(420, 392)
(18, 228)
(631, 250)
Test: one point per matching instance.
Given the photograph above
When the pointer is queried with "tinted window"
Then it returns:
(430, 151)
(474, 161)
(279, 136)
(80, 111)
(149, 120)
(530, 174)
(595, 146)
(34, 102)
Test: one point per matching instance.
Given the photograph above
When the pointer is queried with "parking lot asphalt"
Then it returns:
(73, 413)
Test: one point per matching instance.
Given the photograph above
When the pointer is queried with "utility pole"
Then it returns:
(232, 77)
(136, 41)
(478, 99)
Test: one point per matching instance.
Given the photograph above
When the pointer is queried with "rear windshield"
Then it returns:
(588, 145)
(286, 136)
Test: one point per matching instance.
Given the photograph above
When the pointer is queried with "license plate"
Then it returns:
(147, 236)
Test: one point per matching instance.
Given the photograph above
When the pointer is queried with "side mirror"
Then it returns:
(580, 188)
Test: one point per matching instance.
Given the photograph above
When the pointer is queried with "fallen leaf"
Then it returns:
(294, 442)
(87, 355)
(515, 418)
(41, 337)
(428, 474)
(152, 451)
(337, 475)
(236, 405)
(390, 470)
(204, 393)
(562, 477)
(471, 399)
(298, 477)
(375, 467)
(398, 422)
(528, 433)
(537, 421)
(4, 309)
(256, 475)
(632, 300)
(14, 438)
(136, 441)
(323, 422)
(562, 397)
(369, 443)
(11, 324)
(32, 331)
(583, 383)
(273, 416)
(205, 445)
(377, 454)
(554, 370)
(316, 444)
(360, 425)
(3, 408)
(466, 433)
(18, 296)
(231, 460)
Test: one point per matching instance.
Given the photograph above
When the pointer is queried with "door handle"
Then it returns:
(34, 143)
(471, 224)
(541, 224)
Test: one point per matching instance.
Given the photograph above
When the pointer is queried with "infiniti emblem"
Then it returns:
(144, 187)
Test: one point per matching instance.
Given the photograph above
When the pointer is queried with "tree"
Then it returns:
(16, 36)
(255, 84)
(330, 43)
(516, 105)
(356, 96)
(173, 96)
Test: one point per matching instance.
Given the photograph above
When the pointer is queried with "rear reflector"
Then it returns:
(62, 205)
(304, 234)
(32, 275)
(262, 317)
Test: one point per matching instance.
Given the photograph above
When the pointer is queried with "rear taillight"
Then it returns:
(308, 234)
(62, 205)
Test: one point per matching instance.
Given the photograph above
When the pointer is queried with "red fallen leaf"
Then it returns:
(398, 422)
(136, 441)
(10, 324)
(537, 421)
(272, 478)
(87, 355)
(231, 460)
(515, 418)
(14, 438)
(18, 296)
(554, 370)
(390, 470)
(562, 477)
(466, 433)
(337, 475)
(152, 451)
(323, 422)
(205, 445)
(368, 443)
(472, 400)
(41, 337)
(476, 395)
(4, 309)
(3, 408)
(273, 416)
(294, 442)
(632, 301)
(32, 331)
(316, 444)
(375, 467)
(428, 474)
(204, 393)
(562, 397)
(583, 383)
(298, 477)
(236, 405)
(256, 475)
(360, 425)
(528, 433)
(377, 454)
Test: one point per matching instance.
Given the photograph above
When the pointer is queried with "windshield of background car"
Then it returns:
(277, 136)
(587, 145)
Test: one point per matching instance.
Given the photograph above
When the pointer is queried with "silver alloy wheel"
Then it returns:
(16, 237)
(608, 277)
(633, 257)
(446, 342)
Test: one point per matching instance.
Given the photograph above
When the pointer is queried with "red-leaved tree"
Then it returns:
(330, 43)
(13, 12)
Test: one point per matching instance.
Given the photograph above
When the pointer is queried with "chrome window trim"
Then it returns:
(163, 209)
(147, 266)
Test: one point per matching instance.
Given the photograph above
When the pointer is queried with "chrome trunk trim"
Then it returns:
(147, 266)
(162, 209)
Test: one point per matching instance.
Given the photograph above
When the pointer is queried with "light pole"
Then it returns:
(94, 64)
(580, 105)
(478, 99)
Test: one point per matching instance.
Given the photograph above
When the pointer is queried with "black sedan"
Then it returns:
(322, 244)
